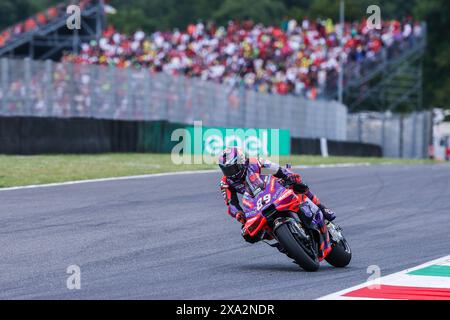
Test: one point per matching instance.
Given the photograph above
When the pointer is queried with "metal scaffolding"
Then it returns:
(394, 83)
(52, 39)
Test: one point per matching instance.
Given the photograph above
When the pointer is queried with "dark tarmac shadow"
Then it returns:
(287, 266)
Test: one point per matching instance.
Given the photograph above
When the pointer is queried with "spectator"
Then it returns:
(296, 58)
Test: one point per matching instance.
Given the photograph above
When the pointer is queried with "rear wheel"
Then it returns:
(295, 249)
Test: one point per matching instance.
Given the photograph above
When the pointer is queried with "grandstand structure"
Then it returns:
(48, 39)
(378, 91)
(390, 83)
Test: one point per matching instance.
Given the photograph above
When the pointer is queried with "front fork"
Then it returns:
(313, 219)
(335, 232)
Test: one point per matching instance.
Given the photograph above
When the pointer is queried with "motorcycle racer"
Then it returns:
(236, 167)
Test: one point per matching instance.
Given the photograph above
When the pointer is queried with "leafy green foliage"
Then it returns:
(437, 58)
(266, 11)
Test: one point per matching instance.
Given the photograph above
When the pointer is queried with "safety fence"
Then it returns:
(42, 135)
(48, 89)
(309, 146)
(400, 136)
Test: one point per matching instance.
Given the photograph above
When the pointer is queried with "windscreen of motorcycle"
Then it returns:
(254, 184)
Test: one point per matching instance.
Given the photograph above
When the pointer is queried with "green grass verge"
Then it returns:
(31, 170)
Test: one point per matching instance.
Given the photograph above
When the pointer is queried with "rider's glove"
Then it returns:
(240, 217)
(295, 178)
(327, 213)
(288, 176)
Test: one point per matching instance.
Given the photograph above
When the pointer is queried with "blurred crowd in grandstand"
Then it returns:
(296, 58)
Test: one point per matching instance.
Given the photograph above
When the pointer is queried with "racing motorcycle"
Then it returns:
(292, 223)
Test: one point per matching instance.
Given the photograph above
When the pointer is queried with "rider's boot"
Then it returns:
(328, 214)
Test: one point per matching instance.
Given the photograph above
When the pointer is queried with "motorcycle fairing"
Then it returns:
(270, 189)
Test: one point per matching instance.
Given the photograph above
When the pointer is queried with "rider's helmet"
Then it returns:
(233, 163)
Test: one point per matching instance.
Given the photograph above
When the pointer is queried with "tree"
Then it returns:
(265, 11)
(437, 58)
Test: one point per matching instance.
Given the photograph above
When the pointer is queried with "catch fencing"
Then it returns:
(48, 89)
(400, 136)
(31, 88)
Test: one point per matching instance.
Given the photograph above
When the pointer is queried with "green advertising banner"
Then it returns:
(255, 142)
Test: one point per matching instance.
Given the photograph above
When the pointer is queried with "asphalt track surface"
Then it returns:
(170, 238)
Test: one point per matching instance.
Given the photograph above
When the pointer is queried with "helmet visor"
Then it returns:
(232, 171)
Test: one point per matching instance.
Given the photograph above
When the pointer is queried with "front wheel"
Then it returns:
(295, 249)
(340, 254)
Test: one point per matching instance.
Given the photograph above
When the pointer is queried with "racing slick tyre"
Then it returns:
(295, 249)
(340, 255)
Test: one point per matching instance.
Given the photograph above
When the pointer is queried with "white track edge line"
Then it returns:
(145, 176)
(320, 166)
